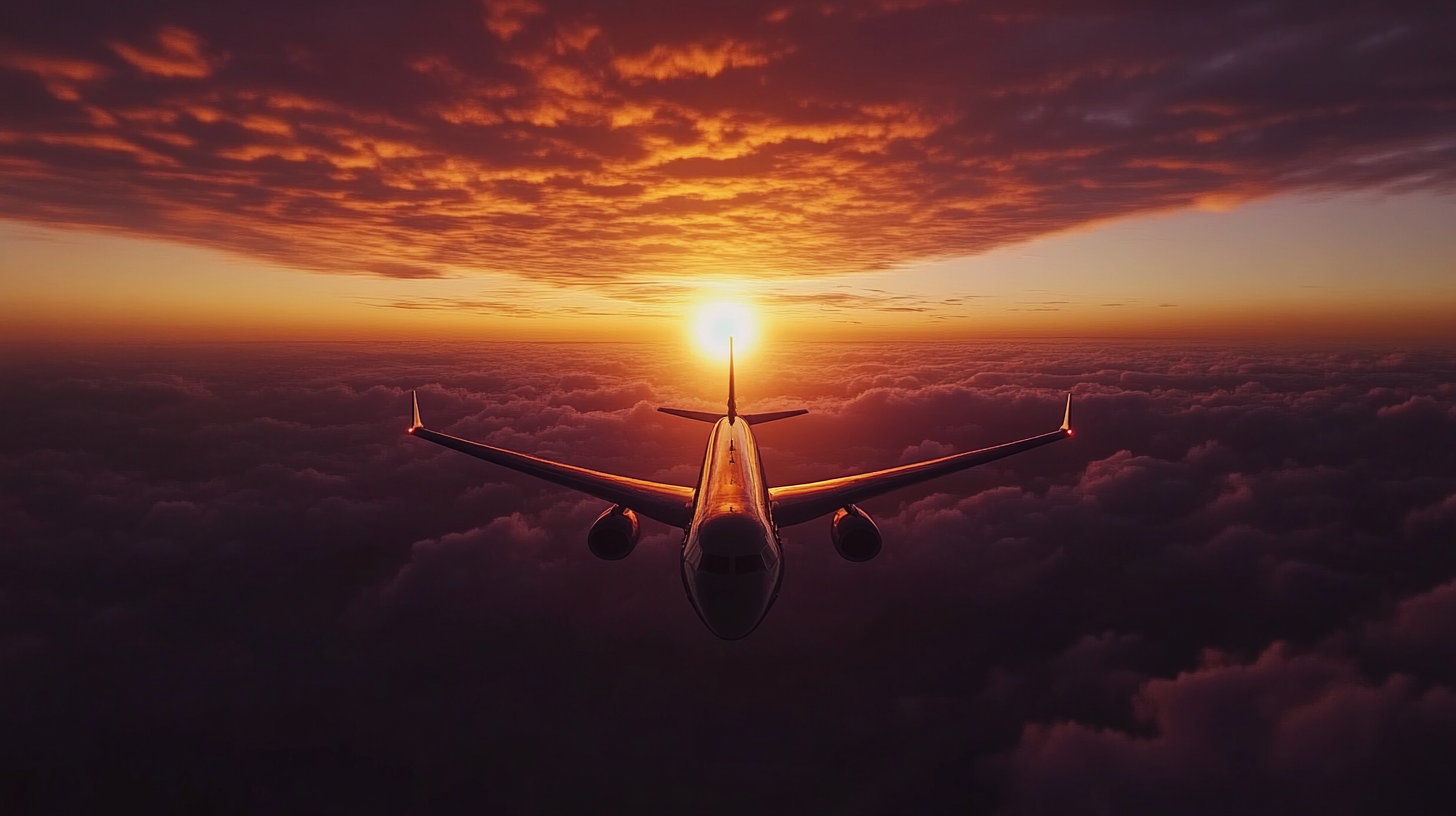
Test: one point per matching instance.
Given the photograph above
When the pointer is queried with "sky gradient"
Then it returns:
(580, 170)
(231, 583)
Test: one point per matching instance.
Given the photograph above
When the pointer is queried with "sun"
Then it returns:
(713, 323)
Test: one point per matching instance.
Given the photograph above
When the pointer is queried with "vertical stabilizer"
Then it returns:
(732, 401)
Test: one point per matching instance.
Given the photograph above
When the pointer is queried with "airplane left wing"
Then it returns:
(796, 504)
(669, 504)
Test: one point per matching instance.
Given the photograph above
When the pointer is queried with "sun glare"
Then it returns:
(714, 323)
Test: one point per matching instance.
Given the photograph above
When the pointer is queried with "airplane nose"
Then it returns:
(728, 580)
(731, 612)
(731, 627)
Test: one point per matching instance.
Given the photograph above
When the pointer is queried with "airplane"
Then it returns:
(732, 562)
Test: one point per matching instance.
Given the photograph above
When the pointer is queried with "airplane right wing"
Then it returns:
(796, 504)
(669, 504)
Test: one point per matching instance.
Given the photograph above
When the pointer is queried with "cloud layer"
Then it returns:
(229, 581)
(582, 142)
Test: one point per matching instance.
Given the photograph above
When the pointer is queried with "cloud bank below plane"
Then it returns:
(231, 582)
(732, 558)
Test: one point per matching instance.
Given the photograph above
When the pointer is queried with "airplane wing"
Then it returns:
(669, 504)
(796, 504)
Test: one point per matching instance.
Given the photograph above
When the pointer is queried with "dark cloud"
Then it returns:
(230, 582)
(1283, 733)
(586, 142)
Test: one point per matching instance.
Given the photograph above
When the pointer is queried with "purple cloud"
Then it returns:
(229, 579)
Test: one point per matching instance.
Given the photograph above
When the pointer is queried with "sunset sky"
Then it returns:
(511, 169)
(231, 582)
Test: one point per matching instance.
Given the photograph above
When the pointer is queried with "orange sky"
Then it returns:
(1353, 267)
(574, 170)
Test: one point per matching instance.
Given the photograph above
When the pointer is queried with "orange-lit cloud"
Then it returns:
(671, 62)
(61, 75)
(179, 53)
(581, 143)
(506, 18)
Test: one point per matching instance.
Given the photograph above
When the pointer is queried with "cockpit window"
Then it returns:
(744, 564)
(716, 564)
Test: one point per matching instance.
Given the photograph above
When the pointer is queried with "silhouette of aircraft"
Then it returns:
(732, 561)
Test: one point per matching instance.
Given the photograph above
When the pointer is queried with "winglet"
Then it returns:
(1067, 417)
(414, 398)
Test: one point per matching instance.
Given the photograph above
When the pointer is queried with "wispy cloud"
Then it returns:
(665, 299)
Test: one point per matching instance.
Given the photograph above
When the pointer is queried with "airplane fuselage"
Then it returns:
(732, 562)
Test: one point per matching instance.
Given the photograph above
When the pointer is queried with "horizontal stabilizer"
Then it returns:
(751, 419)
(701, 416)
(759, 419)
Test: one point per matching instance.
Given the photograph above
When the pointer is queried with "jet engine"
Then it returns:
(614, 534)
(856, 538)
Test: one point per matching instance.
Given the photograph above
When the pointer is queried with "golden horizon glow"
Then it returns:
(1312, 268)
(713, 323)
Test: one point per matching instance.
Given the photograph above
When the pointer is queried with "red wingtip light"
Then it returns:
(1069, 432)
(409, 430)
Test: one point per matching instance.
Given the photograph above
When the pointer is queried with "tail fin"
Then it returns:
(732, 402)
(733, 415)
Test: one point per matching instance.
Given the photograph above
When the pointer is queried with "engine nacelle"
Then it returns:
(855, 536)
(614, 534)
